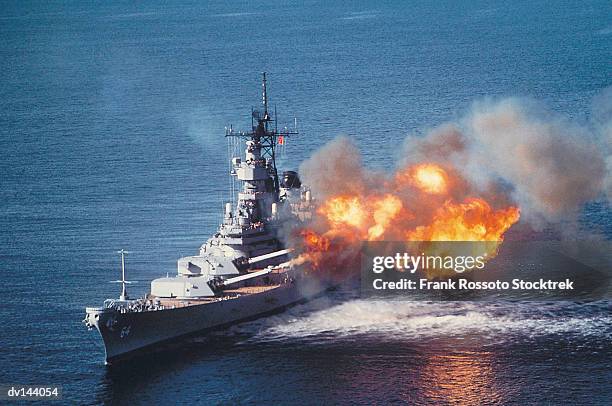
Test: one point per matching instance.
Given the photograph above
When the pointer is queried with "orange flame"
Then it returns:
(429, 178)
(418, 206)
(473, 220)
(314, 241)
(343, 210)
(385, 210)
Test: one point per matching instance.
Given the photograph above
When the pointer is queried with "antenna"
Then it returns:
(264, 95)
(123, 282)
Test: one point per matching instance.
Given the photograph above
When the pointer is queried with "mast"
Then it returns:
(264, 97)
(124, 295)
(265, 138)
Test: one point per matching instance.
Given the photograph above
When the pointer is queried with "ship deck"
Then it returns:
(228, 294)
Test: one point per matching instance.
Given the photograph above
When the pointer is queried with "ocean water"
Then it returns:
(111, 136)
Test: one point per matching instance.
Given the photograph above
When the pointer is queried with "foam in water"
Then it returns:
(416, 320)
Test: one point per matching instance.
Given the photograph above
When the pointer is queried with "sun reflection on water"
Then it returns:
(467, 378)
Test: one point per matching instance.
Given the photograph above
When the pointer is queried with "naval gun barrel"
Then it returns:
(268, 256)
(249, 275)
(244, 263)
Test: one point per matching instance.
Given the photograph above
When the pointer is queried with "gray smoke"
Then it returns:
(336, 168)
(602, 121)
(553, 165)
(550, 165)
(544, 162)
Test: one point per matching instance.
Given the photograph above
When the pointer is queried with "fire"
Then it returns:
(368, 217)
(417, 206)
(473, 220)
(430, 178)
(332, 253)
(385, 210)
(343, 210)
(314, 247)
(314, 241)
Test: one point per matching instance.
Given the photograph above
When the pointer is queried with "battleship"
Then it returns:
(244, 271)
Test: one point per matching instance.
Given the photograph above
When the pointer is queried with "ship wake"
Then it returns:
(381, 320)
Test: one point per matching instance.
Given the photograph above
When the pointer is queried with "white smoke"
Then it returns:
(550, 165)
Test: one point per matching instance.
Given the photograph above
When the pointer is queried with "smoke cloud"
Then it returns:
(602, 119)
(334, 168)
(553, 165)
(511, 151)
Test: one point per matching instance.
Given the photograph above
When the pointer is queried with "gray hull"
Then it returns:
(125, 334)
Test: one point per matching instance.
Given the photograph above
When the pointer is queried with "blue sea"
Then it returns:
(112, 117)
